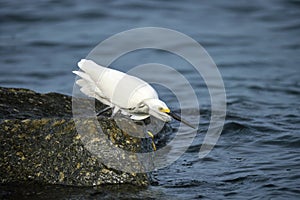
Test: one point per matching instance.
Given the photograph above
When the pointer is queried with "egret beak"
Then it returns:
(178, 118)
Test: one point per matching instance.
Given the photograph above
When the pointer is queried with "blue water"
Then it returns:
(256, 46)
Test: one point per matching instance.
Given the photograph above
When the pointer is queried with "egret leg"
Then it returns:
(115, 110)
(103, 111)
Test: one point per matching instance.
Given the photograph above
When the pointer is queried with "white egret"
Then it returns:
(122, 92)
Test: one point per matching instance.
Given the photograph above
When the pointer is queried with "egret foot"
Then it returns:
(150, 134)
(152, 137)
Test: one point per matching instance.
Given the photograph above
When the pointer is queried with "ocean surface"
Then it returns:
(256, 46)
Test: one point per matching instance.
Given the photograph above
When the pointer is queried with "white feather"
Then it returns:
(118, 90)
(113, 85)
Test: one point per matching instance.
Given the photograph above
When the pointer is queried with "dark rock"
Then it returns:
(39, 142)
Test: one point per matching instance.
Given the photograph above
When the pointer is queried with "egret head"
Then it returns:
(160, 110)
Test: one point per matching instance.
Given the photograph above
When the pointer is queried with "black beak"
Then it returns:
(178, 118)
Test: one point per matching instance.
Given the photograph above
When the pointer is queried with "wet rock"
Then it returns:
(40, 142)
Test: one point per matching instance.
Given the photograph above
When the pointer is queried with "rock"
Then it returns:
(40, 142)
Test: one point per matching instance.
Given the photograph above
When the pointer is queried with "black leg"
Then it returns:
(103, 111)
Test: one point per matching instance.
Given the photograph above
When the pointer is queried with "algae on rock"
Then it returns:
(40, 142)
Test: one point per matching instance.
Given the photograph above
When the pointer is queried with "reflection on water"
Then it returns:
(255, 44)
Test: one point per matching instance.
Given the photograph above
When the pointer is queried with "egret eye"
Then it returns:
(164, 110)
